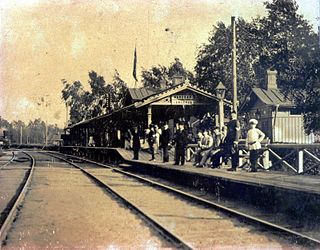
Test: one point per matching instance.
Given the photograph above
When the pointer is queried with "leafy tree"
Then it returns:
(73, 94)
(311, 102)
(118, 90)
(153, 77)
(214, 62)
(157, 74)
(287, 43)
(100, 99)
(282, 40)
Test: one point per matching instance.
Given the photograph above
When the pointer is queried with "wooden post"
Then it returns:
(266, 160)
(149, 115)
(221, 115)
(234, 66)
(300, 161)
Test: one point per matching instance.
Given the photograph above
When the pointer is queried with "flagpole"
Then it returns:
(134, 73)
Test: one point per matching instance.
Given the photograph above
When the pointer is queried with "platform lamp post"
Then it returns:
(220, 92)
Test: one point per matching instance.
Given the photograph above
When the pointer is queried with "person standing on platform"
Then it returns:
(127, 139)
(152, 141)
(157, 131)
(254, 138)
(165, 138)
(136, 143)
(231, 141)
(181, 141)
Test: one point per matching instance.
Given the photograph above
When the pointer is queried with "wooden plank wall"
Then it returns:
(290, 129)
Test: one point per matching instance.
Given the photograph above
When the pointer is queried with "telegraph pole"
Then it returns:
(234, 66)
(20, 135)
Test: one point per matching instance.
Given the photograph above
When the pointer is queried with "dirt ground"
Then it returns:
(64, 209)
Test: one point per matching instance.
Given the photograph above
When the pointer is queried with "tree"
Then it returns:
(214, 62)
(73, 95)
(287, 43)
(101, 98)
(282, 40)
(153, 77)
(118, 91)
(157, 74)
(311, 102)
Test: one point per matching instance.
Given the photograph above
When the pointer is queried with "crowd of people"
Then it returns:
(214, 146)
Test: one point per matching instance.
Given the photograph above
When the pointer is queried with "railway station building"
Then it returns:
(145, 106)
(279, 117)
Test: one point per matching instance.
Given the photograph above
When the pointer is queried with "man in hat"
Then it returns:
(253, 142)
(136, 145)
(181, 140)
(165, 138)
(231, 141)
(152, 141)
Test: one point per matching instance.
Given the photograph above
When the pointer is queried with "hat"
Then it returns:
(253, 121)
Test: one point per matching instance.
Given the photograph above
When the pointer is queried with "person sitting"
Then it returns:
(206, 146)
(198, 149)
(215, 156)
(253, 142)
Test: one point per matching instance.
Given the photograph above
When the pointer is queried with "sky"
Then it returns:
(44, 41)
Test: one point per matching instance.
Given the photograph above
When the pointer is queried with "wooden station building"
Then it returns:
(145, 106)
(278, 116)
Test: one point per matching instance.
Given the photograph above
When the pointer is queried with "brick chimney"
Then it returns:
(271, 80)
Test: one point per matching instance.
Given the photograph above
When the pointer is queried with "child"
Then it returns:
(254, 139)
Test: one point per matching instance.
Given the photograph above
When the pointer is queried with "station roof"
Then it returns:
(138, 94)
(145, 96)
(175, 89)
(272, 97)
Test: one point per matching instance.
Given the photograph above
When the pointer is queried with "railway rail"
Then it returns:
(17, 200)
(7, 162)
(162, 230)
(297, 237)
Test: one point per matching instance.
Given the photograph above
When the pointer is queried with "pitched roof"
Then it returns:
(144, 96)
(174, 89)
(138, 94)
(273, 97)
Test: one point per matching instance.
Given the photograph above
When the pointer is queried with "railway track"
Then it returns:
(149, 219)
(13, 207)
(7, 162)
(294, 236)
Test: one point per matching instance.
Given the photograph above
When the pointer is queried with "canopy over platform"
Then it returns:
(146, 106)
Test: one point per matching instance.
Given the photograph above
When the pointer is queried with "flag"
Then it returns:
(134, 73)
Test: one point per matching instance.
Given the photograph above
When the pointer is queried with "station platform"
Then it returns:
(285, 180)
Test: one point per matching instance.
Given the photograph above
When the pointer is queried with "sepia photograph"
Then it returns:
(160, 124)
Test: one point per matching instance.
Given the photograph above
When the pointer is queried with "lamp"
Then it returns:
(220, 90)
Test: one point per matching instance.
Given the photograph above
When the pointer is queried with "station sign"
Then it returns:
(182, 99)
(179, 99)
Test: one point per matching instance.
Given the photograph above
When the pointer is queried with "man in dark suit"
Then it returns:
(165, 138)
(152, 141)
(136, 143)
(181, 141)
(231, 141)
